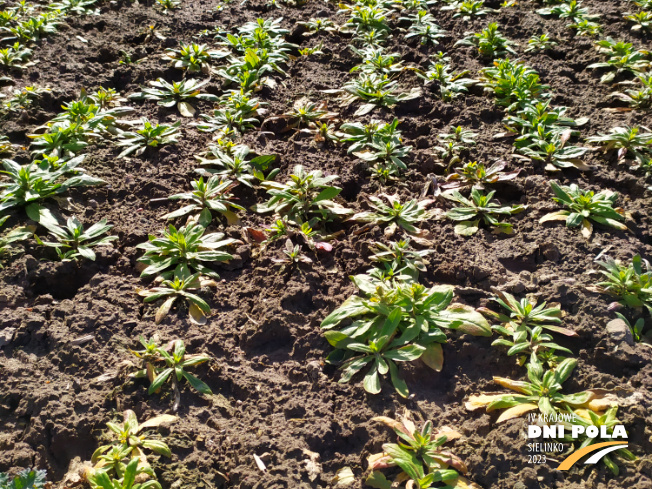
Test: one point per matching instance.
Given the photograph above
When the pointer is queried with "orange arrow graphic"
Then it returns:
(569, 461)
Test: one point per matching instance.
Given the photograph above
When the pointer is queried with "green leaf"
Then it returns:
(86, 253)
(159, 381)
(102, 480)
(185, 109)
(518, 348)
(406, 460)
(353, 367)
(434, 356)
(398, 383)
(467, 320)
(130, 473)
(377, 480)
(467, 228)
(461, 213)
(406, 353)
(565, 369)
(197, 384)
(327, 194)
(33, 212)
(545, 406)
(353, 306)
(335, 338)
(372, 381)
(158, 447)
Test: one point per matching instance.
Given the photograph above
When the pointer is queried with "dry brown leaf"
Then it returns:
(516, 411)
(260, 464)
(163, 311)
(313, 467)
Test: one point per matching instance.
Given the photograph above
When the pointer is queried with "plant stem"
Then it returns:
(177, 393)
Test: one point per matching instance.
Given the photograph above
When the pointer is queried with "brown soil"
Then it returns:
(274, 393)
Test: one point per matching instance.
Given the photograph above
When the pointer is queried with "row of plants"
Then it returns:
(390, 321)
(24, 26)
(33, 187)
(394, 318)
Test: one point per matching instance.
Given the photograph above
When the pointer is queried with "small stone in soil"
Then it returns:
(619, 331)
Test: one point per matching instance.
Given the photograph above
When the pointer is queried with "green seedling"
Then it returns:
(174, 369)
(107, 97)
(362, 136)
(586, 27)
(30, 184)
(426, 31)
(585, 206)
(450, 85)
(75, 7)
(194, 58)
(238, 113)
(631, 284)
(454, 143)
(318, 25)
(642, 21)
(102, 480)
(398, 260)
(364, 18)
(552, 150)
(375, 90)
(640, 97)
(21, 100)
(538, 124)
(73, 242)
(33, 29)
(374, 38)
(480, 208)
(89, 114)
(169, 5)
(396, 214)
(187, 245)
(212, 195)
(476, 175)
(387, 157)
(489, 42)
(540, 44)
(420, 455)
(631, 142)
(306, 197)
(375, 60)
(468, 9)
(622, 59)
(514, 85)
(26, 479)
(235, 164)
(323, 133)
(306, 114)
(149, 136)
(16, 57)
(571, 10)
(132, 441)
(395, 322)
(542, 393)
(176, 94)
(317, 49)
(293, 255)
(8, 238)
(64, 139)
(522, 328)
